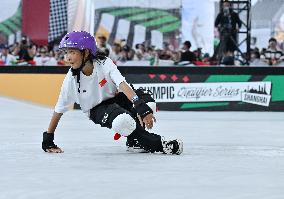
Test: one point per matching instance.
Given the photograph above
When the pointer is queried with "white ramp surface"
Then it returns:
(227, 155)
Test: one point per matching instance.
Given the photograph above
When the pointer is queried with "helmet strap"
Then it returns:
(76, 72)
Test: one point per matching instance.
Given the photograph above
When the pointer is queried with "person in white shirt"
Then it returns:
(6, 57)
(255, 59)
(42, 59)
(94, 82)
(115, 54)
(273, 56)
(52, 61)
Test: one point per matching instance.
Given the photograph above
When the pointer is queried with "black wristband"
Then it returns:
(47, 141)
(48, 137)
(142, 108)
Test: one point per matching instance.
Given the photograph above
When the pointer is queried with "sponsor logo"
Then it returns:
(256, 96)
(104, 120)
(209, 92)
(253, 98)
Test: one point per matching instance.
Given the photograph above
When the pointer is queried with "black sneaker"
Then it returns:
(172, 147)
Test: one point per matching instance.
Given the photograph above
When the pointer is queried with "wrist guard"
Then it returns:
(47, 141)
(142, 108)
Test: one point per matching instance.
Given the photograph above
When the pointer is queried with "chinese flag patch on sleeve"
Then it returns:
(103, 82)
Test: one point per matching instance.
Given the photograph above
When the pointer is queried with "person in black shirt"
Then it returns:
(27, 51)
(187, 55)
(228, 24)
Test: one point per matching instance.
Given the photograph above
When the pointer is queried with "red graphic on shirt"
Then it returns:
(103, 82)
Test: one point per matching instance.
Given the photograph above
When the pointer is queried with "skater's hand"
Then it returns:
(48, 144)
(54, 150)
(149, 120)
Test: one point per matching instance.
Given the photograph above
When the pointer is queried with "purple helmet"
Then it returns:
(80, 40)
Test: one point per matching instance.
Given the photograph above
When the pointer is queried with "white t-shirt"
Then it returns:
(51, 62)
(45, 61)
(9, 59)
(101, 85)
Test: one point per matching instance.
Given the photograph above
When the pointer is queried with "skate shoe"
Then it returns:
(172, 146)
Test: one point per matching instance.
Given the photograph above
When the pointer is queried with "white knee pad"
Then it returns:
(153, 106)
(124, 124)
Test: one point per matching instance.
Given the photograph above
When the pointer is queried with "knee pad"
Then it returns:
(124, 124)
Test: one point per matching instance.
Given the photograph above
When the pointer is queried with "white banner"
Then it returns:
(204, 92)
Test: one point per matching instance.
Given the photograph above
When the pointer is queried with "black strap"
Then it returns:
(76, 72)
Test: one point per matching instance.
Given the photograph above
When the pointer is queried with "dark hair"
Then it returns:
(272, 39)
(99, 57)
(116, 44)
(187, 43)
(136, 46)
(126, 48)
(102, 37)
(24, 41)
(227, 1)
(3, 46)
(257, 54)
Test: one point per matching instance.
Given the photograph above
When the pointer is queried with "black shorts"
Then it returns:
(108, 110)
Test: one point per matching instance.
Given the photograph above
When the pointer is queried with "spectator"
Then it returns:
(198, 54)
(166, 53)
(141, 53)
(187, 55)
(228, 23)
(115, 54)
(27, 52)
(255, 59)
(228, 59)
(42, 58)
(5, 56)
(152, 56)
(15, 50)
(51, 61)
(176, 57)
(102, 43)
(206, 59)
(125, 54)
(131, 55)
(273, 55)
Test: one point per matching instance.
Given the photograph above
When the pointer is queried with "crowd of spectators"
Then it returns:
(27, 53)
(122, 54)
(270, 56)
